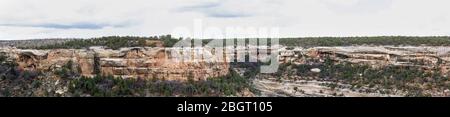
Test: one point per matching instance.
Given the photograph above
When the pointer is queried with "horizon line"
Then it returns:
(284, 37)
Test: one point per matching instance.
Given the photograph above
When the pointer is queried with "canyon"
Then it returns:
(157, 62)
(426, 57)
(126, 63)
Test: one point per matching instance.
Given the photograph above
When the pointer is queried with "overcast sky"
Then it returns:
(31, 19)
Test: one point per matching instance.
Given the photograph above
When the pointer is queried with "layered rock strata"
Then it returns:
(159, 62)
(126, 62)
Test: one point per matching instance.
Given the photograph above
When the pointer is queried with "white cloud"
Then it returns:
(28, 19)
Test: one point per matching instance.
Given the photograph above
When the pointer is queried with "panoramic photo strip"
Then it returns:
(213, 57)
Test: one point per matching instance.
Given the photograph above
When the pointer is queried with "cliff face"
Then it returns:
(379, 56)
(158, 62)
(361, 71)
(126, 63)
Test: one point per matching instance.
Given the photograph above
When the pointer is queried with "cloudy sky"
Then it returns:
(32, 19)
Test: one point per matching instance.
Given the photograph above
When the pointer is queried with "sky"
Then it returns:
(38, 19)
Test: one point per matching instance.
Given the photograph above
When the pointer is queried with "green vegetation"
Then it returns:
(108, 86)
(113, 42)
(97, 66)
(415, 80)
(5, 62)
(116, 42)
(34, 84)
(14, 81)
(68, 70)
(382, 40)
(349, 41)
(7, 68)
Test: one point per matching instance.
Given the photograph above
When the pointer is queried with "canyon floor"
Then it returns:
(303, 88)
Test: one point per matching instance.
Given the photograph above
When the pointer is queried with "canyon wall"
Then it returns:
(126, 63)
(427, 58)
(158, 62)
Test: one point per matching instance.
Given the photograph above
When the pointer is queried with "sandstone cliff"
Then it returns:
(158, 62)
(126, 62)
(377, 56)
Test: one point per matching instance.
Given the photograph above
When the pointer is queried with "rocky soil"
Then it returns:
(309, 88)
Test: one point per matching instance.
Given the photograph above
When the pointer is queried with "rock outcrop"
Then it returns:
(377, 56)
(126, 63)
(159, 62)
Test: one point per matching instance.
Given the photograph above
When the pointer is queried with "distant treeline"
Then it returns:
(382, 40)
(350, 41)
(116, 42)
(113, 42)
